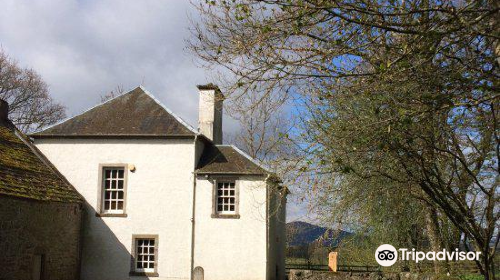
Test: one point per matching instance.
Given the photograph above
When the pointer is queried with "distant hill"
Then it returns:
(301, 234)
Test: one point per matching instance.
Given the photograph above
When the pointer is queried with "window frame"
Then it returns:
(222, 215)
(134, 271)
(102, 190)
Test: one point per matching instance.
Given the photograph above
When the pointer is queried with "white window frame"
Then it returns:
(102, 205)
(135, 270)
(227, 192)
(225, 213)
(147, 254)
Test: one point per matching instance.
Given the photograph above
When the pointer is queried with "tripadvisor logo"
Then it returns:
(387, 255)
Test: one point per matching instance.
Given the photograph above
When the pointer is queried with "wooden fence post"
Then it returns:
(332, 261)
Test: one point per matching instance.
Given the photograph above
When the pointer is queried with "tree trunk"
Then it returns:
(488, 263)
(433, 233)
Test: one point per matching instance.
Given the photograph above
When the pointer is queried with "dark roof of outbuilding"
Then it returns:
(226, 159)
(26, 173)
(135, 113)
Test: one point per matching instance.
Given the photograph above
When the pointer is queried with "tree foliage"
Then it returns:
(404, 92)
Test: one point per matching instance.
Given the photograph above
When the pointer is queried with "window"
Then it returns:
(113, 182)
(113, 190)
(225, 199)
(145, 256)
(145, 261)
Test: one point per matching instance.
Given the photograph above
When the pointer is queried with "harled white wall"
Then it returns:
(280, 228)
(159, 200)
(232, 248)
(276, 231)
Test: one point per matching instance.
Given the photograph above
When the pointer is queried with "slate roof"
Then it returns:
(26, 173)
(135, 113)
(226, 159)
(138, 114)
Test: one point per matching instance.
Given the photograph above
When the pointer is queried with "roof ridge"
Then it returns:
(179, 119)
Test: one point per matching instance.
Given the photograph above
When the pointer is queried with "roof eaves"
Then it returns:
(114, 136)
(201, 172)
(179, 119)
(31, 198)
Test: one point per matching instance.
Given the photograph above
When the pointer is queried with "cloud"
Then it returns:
(84, 49)
(299, 209)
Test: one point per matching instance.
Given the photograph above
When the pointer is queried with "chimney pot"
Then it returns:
(4, 110)
(210, 112)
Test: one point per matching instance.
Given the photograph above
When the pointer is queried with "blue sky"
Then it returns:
(84, 49)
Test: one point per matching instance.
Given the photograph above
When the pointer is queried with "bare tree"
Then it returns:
(263, 134)
(118, 90)
(30, 104)
(262, 126)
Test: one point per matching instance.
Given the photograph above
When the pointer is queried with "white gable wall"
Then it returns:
(159, 200)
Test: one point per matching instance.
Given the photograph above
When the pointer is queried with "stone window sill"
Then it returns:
(147, 274)
(226, 216)
(111, 215)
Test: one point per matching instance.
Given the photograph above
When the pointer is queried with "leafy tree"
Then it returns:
(405, 91)
(449, 153)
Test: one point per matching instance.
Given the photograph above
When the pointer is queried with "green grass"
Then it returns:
(471, 277)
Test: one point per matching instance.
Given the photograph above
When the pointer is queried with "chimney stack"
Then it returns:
(210, 112)
(4, 111)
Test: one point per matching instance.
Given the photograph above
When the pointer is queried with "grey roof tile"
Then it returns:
(135, 113)
(225, 159)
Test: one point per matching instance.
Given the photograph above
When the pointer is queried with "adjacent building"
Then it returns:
(40, 212)
(166, 201)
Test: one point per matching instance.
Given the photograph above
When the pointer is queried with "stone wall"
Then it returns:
(296, 274)
(29, 228)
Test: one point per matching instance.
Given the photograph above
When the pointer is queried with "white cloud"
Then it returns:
(83, 49)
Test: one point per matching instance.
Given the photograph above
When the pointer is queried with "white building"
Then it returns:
(164, 201)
